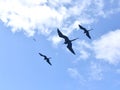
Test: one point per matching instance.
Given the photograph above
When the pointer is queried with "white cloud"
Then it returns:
(108, 47)
(55, 39)
(35, 2)
(28, 16)
(82, 47)
(83, 54)
(111, 12)
(74, 73)
(44, 16)
(95, 72)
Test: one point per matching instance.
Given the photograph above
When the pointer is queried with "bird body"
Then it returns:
(67, 41)
(46, 58)
(85, 31)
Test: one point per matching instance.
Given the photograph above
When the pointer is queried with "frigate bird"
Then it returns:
(34, 39)
(46, 58)
(85, 31)
(67, 41)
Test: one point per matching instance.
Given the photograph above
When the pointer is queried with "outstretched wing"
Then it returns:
(81, 27)
(88, 35)
(61, 35)
(69, 46)
(48, 61)
(41, 55)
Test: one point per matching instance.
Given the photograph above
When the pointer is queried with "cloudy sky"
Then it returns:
(28, 27)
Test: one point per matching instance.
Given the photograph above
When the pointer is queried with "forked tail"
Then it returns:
(74, 39)
(90, 29)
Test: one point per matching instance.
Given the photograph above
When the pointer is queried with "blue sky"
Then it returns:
(96, 65)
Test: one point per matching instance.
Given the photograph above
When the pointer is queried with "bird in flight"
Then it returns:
(85, 31)
(46, 58)
(67, 41)
(34, 39)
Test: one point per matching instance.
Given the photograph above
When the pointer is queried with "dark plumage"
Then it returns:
(85, 31)
(34, 39)
(67, 41)
(46, 58)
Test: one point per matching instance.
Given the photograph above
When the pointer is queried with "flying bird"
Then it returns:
(85, 31)
(67, 41)
(34, 39)
(46, 58)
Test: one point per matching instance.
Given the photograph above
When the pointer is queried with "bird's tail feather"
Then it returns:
(74, 39)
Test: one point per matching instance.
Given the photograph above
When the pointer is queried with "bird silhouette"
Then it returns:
(46, 58)
(67, 41)
(34, 39)
(85, 31)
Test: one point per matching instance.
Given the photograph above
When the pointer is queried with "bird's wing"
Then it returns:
(88, 35)
(41, 55)
(81, 27)
(69, 46)
(61, 35)
(48, 61)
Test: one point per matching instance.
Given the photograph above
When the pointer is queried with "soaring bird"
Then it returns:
(34, 39)
(85, 31)
(67, 41)
(46, 58)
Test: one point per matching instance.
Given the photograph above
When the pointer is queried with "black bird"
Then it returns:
(85, 31)
(67, 41)
(34, 39)
(46, 58)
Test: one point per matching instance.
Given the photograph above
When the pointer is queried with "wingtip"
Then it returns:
(40, 54)
(57, 29)
(79, 25)
(89, 37)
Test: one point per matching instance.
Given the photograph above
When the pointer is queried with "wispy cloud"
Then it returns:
(30, 15)
(55, 39)
(96, 72)
(45, 15)
(84, 54)
(74, 73)
(108, 47)
(82, 47)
